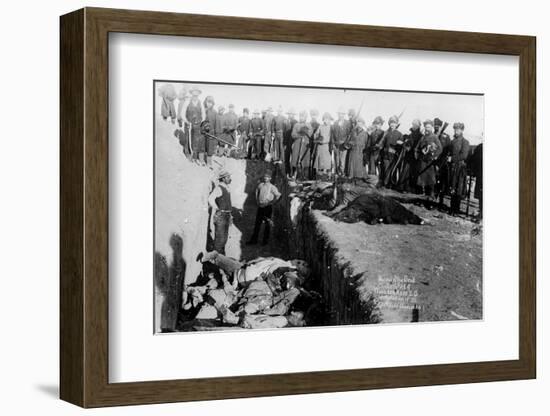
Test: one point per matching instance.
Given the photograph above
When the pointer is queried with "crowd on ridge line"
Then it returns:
(426, 160)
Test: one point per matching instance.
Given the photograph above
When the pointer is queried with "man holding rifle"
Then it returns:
(427, 153)
(339, 134)
(372, 151)
(389, 145)
(243, 126)
(300, 136)
(456, 154)
(228, 126)
(278, 128)
(268, 133)
(256, 136)
(441, 164)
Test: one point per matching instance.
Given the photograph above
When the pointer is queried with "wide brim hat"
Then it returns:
(182, 94)
(430, 122)
(195, 91)
(167, 91)
(223, 174)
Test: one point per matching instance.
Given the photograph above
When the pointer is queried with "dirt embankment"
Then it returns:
(391, 272)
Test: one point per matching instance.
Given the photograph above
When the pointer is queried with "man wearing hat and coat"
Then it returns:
(267, 195)
(321, 140)
(300, 144)
(357, 143)
(194, 116)
(287, 138)
(168, 94)
(372, 151)
(211, 115)
(256, 135)
(277, 127)
(309, 157)
(339, 135)
(409, 171)
(456, 154)
(243, 127)
(219, 201)
(427, 153)
(390, 145)
(268, 132)
(229, 126)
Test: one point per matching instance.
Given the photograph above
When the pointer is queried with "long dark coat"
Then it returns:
(300, 144)
(409, 170)
(458, 150)
(428, 150)
(287, 140)
(244, 127)
(476, 166)
(372, 151)
(356, 167)
(211, 144)
(193, 114)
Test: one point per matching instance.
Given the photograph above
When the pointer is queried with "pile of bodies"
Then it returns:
(424, 160)
(262, 293)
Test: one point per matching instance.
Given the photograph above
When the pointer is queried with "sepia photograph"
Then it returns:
(281, 206)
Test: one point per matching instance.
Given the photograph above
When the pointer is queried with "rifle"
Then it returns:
(441, 131)
(211, 136)
(313, 154)
(188, 132)
(397, 159)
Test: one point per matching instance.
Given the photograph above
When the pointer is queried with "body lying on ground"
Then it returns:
(376, 208)
(365, 203)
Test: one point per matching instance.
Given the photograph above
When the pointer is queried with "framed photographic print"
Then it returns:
(258, 207)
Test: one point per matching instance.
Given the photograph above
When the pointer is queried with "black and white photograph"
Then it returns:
(290, 206)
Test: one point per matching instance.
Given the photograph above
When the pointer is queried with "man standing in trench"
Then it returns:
(220, 202)
(267, 194)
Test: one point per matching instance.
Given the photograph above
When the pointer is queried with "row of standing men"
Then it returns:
(425, 160)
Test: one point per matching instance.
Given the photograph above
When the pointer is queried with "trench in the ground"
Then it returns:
(182, 232)
(295, 235)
